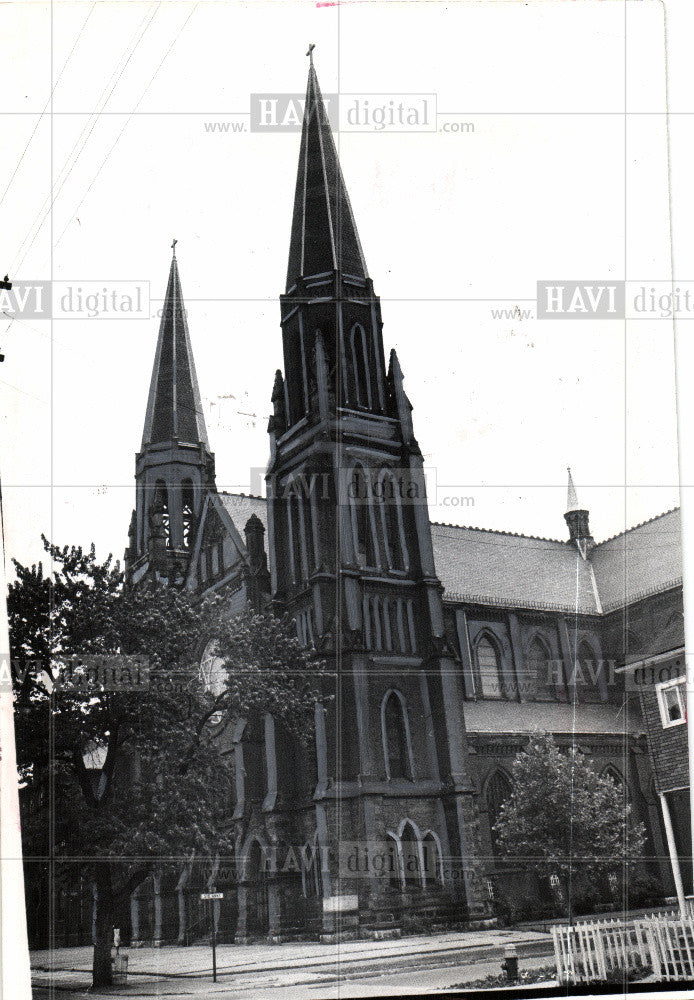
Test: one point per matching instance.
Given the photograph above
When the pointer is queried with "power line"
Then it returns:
(88, 128)
(40, 118)
(127, 122)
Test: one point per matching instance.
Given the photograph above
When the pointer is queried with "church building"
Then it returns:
(449, 644)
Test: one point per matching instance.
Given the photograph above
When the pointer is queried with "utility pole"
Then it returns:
(16, 977)
(5, 285)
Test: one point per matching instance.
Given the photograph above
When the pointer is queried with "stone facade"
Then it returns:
(447, 646)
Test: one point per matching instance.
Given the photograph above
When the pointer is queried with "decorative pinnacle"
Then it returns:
(173, 247)
(310, 52)
(571, 497)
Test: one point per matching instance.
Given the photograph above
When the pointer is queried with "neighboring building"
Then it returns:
(655, 667)
(451, 644)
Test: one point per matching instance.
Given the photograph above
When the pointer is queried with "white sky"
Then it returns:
(550, 185)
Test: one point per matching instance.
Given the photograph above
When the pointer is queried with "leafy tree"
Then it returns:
(157, 785)
(563, 818)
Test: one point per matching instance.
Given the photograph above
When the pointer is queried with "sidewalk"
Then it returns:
(247, 969)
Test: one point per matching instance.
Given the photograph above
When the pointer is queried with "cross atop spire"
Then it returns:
(174, 407)
(324, 234)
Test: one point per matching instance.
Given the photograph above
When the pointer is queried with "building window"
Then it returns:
(588, 668)
(499, 790)
(410, 856)
(396, 743)
(391, 522)
(672, 703)
(541, 677)
(161, 503)
(394, 867)
(360, 512)
(432, 859)
(187, 501)
(489, 668)
(311, 874)
(361, 365)
(297, 538)
(213, 676)
(307, 512)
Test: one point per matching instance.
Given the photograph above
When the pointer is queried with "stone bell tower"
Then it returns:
(175, 467)
(352, 562)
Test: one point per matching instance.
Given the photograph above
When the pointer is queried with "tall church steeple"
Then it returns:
(175, 468)
(324, 234)
(349, 534)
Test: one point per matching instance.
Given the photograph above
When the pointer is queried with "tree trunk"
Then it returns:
(101, 968)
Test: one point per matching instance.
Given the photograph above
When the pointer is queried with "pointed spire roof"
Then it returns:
(324, 234)
(174, 408)
(571, 495)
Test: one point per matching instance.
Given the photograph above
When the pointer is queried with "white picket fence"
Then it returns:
(591, 951)
(672, 945)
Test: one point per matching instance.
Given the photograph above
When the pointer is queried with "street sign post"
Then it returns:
(213, 896)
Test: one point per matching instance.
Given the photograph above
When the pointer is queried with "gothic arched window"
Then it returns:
(488, 663)
(361, 357)
(360, 510)
(307, 514)
(432, 859)
(499, 789)
(410, 856)
(187, 502)
(295, 537)
(540, 675)
(587, 667)
(213, 675)
(312, 874)
(393, 862)
(396, 736)
(391, 521)
(161, 500)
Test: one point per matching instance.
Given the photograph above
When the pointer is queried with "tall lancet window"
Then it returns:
(391, 518)
(361, 365)
(541, 670)
(161, 504)
(489, 668)
(499, 790)
(360, 510)
(307, 515)
(295, 536)
(395, 737)
(187, 501)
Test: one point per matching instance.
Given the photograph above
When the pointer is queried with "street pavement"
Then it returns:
(296, 970)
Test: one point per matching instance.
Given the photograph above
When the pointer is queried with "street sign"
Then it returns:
(211, 895)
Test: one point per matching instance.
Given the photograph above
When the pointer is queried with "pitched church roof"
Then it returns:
(324, 234)
(241, 506)
(644, 560)
(501, 569)
(174, 408)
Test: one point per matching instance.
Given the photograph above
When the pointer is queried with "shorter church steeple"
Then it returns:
(175, 467)
(577, 520)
